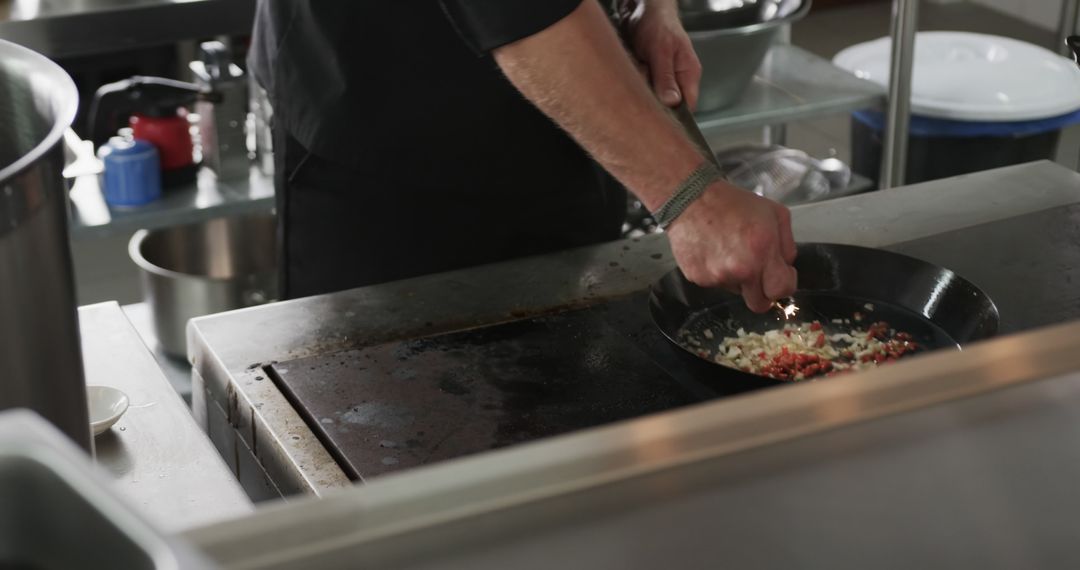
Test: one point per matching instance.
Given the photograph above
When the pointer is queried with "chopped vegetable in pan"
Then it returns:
(805, 351)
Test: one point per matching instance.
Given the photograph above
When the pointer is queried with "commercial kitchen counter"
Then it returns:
(159, 459)
(271, 445)
(951, 459)
(954, 460)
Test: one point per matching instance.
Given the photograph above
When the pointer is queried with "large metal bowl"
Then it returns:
(206, 268)
(731, 46)
(703, 15)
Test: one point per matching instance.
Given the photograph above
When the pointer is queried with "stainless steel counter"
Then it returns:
(273, 451)
(955, 459)
(159, 458)
(65, 28)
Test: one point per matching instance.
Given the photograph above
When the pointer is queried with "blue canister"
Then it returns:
(132, 174)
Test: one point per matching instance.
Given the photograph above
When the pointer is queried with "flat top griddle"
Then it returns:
(402, 404)
(391, 406)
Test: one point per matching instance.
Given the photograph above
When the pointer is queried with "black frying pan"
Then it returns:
(936, 306)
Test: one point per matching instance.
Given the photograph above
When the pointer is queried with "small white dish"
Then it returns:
(106, 406)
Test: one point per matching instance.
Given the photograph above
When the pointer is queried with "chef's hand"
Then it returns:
(737, 240)
(660, 42)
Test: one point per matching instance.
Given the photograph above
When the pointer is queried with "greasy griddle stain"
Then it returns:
(461, 393)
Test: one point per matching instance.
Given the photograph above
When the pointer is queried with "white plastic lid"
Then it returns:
(975, 77)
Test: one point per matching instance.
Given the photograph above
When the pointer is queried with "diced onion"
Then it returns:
(844, 351)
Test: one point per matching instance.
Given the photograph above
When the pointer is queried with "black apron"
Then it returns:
(402, 150)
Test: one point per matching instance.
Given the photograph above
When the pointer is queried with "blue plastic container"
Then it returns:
(132, 174)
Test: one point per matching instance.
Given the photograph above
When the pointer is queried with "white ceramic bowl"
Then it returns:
(106, 406)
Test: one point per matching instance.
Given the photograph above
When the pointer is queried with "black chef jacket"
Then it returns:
(403, 150)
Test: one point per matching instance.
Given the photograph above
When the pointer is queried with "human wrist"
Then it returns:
(690, 190)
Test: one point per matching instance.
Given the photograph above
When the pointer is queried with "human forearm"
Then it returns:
(579, 74)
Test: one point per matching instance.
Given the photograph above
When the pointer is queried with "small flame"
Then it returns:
(789, 311)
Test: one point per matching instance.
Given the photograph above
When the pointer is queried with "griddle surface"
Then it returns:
(402, 404)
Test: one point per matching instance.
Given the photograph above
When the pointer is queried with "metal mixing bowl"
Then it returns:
(731, 43)
(700, 15)
(206, 268)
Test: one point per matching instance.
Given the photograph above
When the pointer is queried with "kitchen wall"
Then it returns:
(1044, 13)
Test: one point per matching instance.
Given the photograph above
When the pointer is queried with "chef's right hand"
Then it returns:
(737, 240)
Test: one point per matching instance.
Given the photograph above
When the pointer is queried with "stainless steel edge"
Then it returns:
(487, 294)
(62, 105)
(260, 421)
(355, 523)
(876, 219)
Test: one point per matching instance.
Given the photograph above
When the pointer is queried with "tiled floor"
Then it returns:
(105, 273)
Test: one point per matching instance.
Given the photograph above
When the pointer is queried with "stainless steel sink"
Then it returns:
(57, 511)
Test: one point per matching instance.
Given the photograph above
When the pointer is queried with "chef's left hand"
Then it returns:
(660, 42)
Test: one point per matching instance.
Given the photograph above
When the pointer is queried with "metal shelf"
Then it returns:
(91, 218)
(63, 28)
(793, 84)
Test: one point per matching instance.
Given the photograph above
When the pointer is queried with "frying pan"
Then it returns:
(937, 307)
